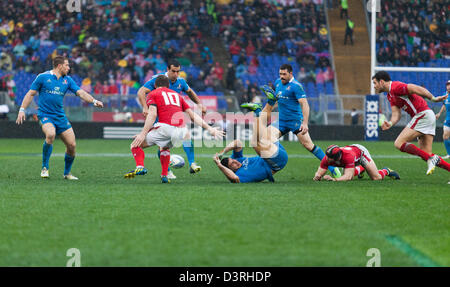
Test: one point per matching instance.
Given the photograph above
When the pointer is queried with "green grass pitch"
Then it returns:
(202, 220)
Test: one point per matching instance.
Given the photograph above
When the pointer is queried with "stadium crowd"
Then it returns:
(413, 32)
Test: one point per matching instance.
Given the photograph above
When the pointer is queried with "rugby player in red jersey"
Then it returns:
(170, 129)
(355, 159)
(422, 126)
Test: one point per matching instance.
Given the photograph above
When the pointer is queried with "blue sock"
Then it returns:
(159, 156)
(46, 152)
(318, 152)
(447, 146)
(68, 160)
(257, 112)
(188, 147)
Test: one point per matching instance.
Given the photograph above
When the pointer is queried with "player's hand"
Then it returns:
(439, 99)
(145, 112)
(203, 109)
(386, 125)
(304, 129)
(138, 140)
(20, 118)
(220, 155)
(216, 133)
(438, 115)
(98, 104)
(317, 178)
(216, 159)
(328, 177)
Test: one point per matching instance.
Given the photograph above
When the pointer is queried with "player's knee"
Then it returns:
(50, 137)
(446, 136)
(71, 146)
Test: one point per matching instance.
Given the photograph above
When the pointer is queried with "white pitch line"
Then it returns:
(153, 155)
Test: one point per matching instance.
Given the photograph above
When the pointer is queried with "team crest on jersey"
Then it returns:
(65, 82)
(49, 81)
(179, 86)
(288, 88)
(44, 119)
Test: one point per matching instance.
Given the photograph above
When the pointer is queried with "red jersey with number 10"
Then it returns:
(399, 96)
(170, 106)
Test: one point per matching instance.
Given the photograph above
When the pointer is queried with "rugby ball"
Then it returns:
(176, 161)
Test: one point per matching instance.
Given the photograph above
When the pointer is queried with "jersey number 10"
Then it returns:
(171, 99)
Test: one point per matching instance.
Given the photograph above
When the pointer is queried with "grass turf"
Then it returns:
(202, 220)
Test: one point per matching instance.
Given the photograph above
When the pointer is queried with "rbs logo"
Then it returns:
(371, 118)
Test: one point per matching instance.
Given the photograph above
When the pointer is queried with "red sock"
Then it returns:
(165, 160)
(412, 149)
(139, 156)
(443, 164)
(358, 170)
(383, 172)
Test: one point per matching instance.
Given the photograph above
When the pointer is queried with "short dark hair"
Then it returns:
(162, 81)
(286, 67)
(58, 60)
(225, 161)
(174, 63)
(333, 152)
(382, 75)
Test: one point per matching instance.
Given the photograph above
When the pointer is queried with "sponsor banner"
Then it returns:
(371, 108)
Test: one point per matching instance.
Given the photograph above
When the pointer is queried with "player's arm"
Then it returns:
(141, 97)
(395, 117)
(199, 121)
(226, 171)
(421, 91)
(348, 175)
(305, 110)
(440, 112)
(319, 173)
(25, 103)
(85, 96)
(193, 96)
(235, 145)
(149, 121)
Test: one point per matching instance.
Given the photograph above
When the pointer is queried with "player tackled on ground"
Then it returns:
(422, 126)
(170, 130)
(355, 159)
(272, 157)
(293, 111)
(52, 86)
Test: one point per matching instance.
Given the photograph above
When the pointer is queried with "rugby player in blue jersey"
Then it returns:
(446, 134)
(272, 156)
(293, 109)
(179, 85)
(51, 87)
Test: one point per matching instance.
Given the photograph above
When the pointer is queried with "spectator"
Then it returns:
(350, 25)
(231, 77)
(344, 9)
(355, 117)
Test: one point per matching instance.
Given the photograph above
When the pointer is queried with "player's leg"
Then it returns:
(403, 143)
(379, 174)
(426, 143)
(359, 170)
(188, 147)
(139, 157)
(165, 161)
(50, 133)
(446, 138)
(307, 142)
(68, 138)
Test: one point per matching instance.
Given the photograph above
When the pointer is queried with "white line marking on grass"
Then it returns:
(201, 155)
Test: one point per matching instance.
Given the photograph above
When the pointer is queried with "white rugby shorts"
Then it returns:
(166, 136)
(365, 154)
(424, 122)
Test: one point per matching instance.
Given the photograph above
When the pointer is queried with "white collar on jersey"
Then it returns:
(390, 83)
(292, 80)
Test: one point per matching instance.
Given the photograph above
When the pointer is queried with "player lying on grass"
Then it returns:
(272, 156)
(293, 109)
(170, 130)
(355, 159)
(422, 126)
